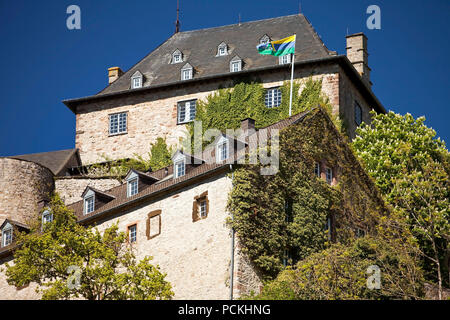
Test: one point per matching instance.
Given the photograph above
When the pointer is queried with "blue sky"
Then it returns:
(42, 62)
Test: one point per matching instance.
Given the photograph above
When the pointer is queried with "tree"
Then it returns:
(411, 168)
(68, 260)
(160, 154)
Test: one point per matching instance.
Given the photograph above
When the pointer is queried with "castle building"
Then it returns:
(177, 214)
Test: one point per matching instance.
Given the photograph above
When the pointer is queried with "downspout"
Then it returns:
(232, 242)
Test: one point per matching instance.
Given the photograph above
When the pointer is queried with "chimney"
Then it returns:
(247, 124)
(114, 73)
(358, 56)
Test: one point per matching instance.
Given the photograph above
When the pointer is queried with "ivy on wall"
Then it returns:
(284, 215)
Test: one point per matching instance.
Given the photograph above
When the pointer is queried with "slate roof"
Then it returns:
(199, 48)
(56, 161)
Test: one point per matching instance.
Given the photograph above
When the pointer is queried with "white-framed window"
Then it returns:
(272, 98)
(264, 39)
(89, 204)
(317, 169)
(177, 56)
(203, 212)
(132, 187)
(329, 175)
(47, 216)
(222, 150)
(117, 123)
(222, 50)
(132, 233)
(136, 82)
(7, 236)
(180, 168)
(358, 114)
(236, 66)
(186, 111)
(186, 72)
(284, 59)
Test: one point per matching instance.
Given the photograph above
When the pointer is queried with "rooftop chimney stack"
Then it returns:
(358, 56)
(247, 124)
(114, 73)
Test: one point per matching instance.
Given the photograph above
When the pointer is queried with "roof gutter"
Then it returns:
(342, 60)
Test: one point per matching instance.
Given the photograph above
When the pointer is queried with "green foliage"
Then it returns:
(160, 154)
(411, 168)
(340, 272)
(226, 108)
(258, 202)
(109, 269)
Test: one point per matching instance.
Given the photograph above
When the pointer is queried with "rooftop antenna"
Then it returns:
(239, 18)
(347, 30)
(177, 23)
(299, 7)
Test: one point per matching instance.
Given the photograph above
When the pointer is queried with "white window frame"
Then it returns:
(186, 74)
(317, 169)
(329, 175)
(264, 39)
(86, 204)
(47, 213)
(131, 191)
(7, 231)
(136, 84)
(236, 66)
(180, 171)
(132, 230)
(286, 59)
(271, 99)
(121, 125)
(203, 208)
(222, 143)
(189, 107)
(222, 50)
(177, 58)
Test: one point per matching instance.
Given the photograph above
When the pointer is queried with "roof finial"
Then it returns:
(177, 23)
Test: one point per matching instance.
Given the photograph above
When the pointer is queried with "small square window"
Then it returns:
(132, 233)
(176, 58)
(186, 74)
(89, 205)
(117, 123)
(132, 187)
(235, 66)
(47, 216)
(222, 51)
(329, 175)
(136, 82)
(272, 98)
(284, 59)
(7, 237)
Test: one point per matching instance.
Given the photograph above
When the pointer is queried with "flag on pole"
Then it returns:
(279, 47)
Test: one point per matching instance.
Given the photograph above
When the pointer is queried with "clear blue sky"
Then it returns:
(42, 62)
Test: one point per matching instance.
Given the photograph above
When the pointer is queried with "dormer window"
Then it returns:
(136, 80)
(132, 187)
(236, 64)
(7, 235)
(284, 59)
(89, 204)
(222, 149)
(180, 168)
(222, 50)
(186, 72)
(177, 57)
(264, 39)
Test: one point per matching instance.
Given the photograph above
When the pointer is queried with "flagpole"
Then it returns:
(292, 80)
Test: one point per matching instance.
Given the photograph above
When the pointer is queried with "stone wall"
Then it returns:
(8, 292)
(71, 188)
(23, 184)
(154, 114)
(195, 255)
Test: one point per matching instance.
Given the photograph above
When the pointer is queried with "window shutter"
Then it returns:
(195, 215)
